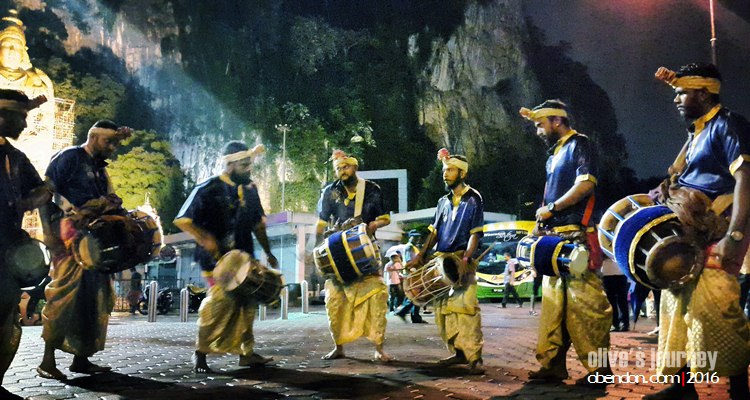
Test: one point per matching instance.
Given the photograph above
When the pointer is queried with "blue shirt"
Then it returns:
(570, 161)
(217, 207)
(716, 151)
(335, 203)
(17, 179)
(456, 224)
(77, 176)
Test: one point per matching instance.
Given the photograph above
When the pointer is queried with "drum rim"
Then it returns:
(636, 239)
(635, 201)
(36, 243)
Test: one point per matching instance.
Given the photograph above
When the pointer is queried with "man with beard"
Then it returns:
(21, 189)
(575, 309)
(80, 300)
(457, 229)
(222, 214)
(703, 317)
(356, 308)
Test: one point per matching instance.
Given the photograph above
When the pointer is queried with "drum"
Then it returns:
(615, 214)
(247, 279)
(553, 255)
(650, 248)
(28, 262)
(348, 255)
(433, 280)
(114, 243)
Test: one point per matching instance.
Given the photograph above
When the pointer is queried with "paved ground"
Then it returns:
(152, 361)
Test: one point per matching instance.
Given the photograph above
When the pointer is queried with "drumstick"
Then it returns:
(484, 253)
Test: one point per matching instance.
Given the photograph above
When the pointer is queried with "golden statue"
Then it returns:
(16, 72)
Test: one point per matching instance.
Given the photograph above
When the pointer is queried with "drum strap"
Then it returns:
(588, 211)
(359, 197)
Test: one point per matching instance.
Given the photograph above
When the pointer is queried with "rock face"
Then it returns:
(476, 80)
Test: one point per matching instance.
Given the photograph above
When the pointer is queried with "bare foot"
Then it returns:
(381, 356)
(50, 372)
(199, 363)
(84, 366)
(254, 359)
(476, 367)
(337, 352)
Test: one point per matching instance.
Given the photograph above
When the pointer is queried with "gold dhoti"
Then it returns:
(357, 309)
(225, 324)
(703, 319)
(79, 302)
(574, 311)
(459, 322)
(10, 321)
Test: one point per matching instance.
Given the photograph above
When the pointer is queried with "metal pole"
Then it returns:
(305, 298)
(714, 57)
(184, 298)
(262, 312)
(284, 303)
(283, 128)
(153, 293)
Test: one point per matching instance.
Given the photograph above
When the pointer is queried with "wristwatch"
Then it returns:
(737, 236)
(551, 207)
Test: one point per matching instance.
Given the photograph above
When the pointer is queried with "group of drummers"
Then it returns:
(687, 237)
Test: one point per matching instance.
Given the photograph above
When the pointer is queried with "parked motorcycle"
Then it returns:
(163, 301)
(196, 294)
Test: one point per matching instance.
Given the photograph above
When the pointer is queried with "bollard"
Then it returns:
(153, 294)
(305, 298)
(184, 298)
(284, 303)
(262, 312)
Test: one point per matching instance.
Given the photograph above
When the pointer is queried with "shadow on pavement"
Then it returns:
(145, 389)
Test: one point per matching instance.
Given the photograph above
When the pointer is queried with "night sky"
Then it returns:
(623, 42)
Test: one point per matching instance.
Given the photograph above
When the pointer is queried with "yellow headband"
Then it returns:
(455, 162)
(102, 131)
(711, 85)
(240, 155)
(445, 157)
(339, 157)
(533, 115)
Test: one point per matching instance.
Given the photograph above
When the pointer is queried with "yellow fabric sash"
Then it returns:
(533, 115)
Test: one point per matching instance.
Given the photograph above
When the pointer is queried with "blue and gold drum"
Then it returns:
(553, 255)
(348, 255)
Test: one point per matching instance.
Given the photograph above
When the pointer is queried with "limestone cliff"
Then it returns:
(476, 81)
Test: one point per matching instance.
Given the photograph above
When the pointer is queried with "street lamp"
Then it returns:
(283, 128)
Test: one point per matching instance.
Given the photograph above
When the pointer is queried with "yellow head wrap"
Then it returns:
(241, 155)
(339, 157)
(533, 115)
(711, 85)
(448, 160)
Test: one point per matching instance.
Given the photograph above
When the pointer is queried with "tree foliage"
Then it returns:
(145, 166)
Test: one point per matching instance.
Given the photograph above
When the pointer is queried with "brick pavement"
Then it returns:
(152, 361)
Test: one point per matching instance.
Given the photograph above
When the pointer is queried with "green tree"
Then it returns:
(145, 165)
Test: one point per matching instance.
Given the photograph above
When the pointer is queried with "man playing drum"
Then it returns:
(575, 309)
(356, 308)
(712, 169)
(222, 214)
(79, 300)
(21, 189)
(457, 230)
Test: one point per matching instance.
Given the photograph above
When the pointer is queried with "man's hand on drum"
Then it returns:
(372, 227)
(543, 214)
(415, 262)
(727, 252)
(272, 261)
(212, 247)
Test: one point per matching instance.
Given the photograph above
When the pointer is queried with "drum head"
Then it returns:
(609, 224)
(579, 260)
(28, 261)
(672, 263)
(232, 269)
